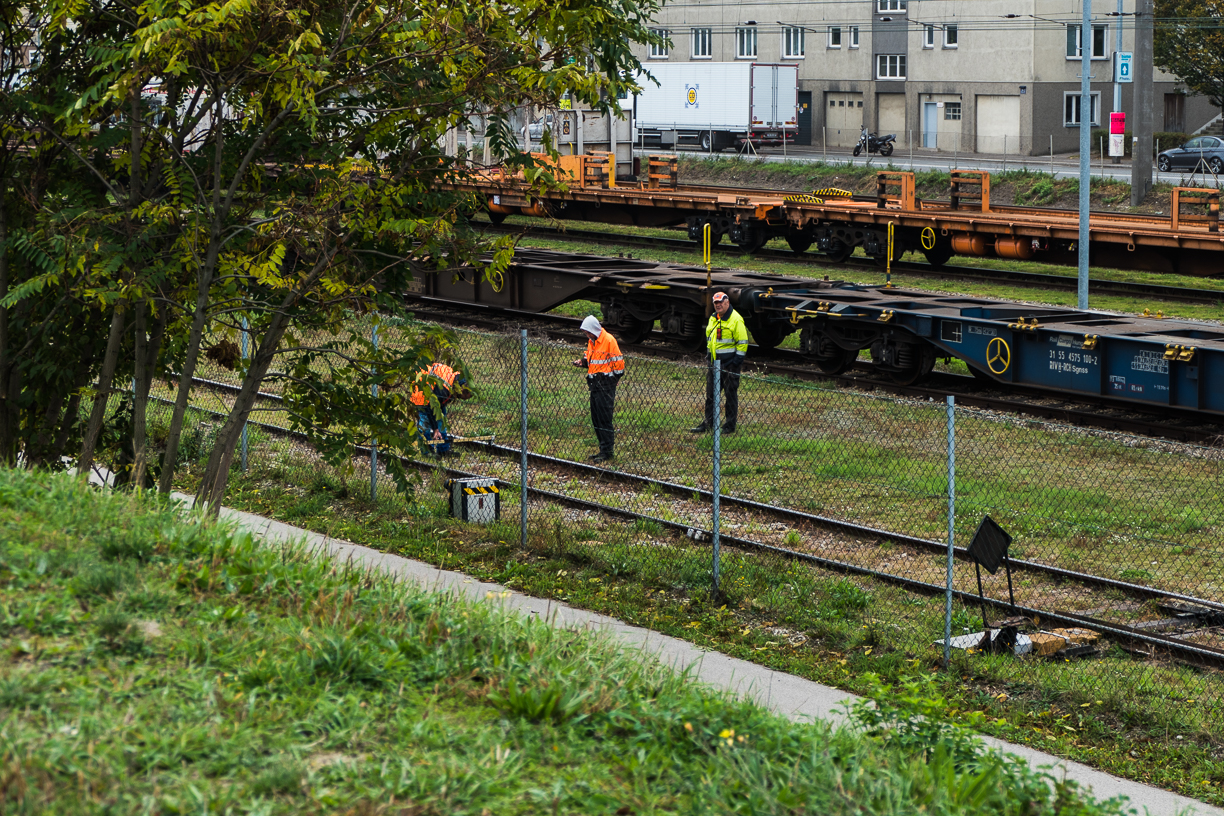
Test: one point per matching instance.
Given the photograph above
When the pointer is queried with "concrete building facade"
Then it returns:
(988, 76)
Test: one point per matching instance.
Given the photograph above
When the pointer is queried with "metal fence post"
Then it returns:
(245, 335)
(523, 439)
(717, 468)
(951, 527)
(374, 441)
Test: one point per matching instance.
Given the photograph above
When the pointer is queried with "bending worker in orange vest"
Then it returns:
(605, 366)
(431, 426)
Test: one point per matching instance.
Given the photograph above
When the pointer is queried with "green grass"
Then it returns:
(1136, 719)
(156, 664)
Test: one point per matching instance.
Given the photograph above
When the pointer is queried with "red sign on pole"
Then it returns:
(1117, 123)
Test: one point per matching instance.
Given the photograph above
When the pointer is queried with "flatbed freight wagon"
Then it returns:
(717, 105)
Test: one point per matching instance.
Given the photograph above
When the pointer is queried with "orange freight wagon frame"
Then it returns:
(1188, 241)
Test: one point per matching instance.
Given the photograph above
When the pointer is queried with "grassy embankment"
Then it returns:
(808, 622)
(156, 664)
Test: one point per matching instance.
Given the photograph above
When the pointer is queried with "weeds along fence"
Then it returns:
(1095, 517)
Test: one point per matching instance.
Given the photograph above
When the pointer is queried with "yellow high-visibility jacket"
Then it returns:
(727, 338)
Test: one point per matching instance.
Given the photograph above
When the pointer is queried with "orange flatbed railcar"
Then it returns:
(1187, 241)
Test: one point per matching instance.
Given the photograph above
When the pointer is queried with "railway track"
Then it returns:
(1141, 638)
(1034, 280)
(969, 391)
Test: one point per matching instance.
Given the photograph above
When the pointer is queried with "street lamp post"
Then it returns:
(1085, 122)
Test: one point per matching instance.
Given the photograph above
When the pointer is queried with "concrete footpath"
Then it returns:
(785, 694)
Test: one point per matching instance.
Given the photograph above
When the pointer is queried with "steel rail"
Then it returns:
(1201, 654)
(1036, 280)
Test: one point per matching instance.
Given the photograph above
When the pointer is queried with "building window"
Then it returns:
(951, 36)
(746, 43)
(928, 36)
(890, 66)
(701, 44)
(1071, 109)
(1098, 42)
(952, 111)
(835, 34)
(659, 50)
(792, 42)
(854, 36)
(884, 6)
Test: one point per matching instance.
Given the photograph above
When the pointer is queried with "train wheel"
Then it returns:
(750, 239)
(635, 331)
(684, 330)
(495, 217)
(912, 363)
(898, 251)
(839, 251)
(769, 336)
(829, 357)
(940, 254)
(837, 361)
(799, 242)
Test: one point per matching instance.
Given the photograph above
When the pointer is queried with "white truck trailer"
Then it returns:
(717, 105)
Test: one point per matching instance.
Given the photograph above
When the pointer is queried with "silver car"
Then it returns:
(1201, 152)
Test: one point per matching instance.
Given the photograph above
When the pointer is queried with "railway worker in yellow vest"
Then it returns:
(605, 365)
(432, 427)
(727, 341)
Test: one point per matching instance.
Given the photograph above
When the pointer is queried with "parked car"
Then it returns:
(1200, 152)
(535, 130)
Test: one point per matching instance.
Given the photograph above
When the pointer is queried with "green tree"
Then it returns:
(280, 163)
(1189, 43)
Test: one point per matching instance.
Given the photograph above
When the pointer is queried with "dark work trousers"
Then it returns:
(603, 398)
(728, 382)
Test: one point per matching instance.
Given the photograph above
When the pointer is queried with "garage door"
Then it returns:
(891, 108)
(843, 118)
(998, 124)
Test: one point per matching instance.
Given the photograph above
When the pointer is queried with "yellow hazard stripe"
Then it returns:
(472, 491)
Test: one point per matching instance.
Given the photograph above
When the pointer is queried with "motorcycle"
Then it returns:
(875, 144)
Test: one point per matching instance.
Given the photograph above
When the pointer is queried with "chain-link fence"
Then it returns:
(834, 516)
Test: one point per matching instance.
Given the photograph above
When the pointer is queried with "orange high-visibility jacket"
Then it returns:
(603, 356)
(442, 372)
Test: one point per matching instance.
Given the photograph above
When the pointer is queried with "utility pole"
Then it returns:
(1117, 89)
(1141, 148)
(1085, 146)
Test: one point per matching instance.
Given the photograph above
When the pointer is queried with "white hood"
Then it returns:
(590, 324)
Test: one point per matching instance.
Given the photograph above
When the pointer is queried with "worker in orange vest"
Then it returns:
(431, 426)
(605, 365)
